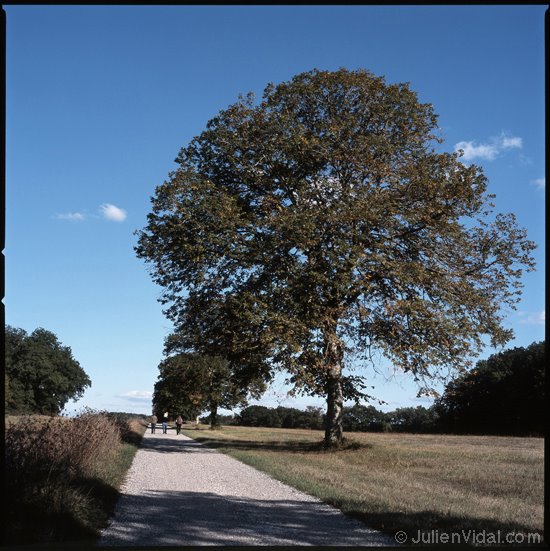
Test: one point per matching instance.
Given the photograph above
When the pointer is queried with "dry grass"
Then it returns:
(62, 475)
(402, 481)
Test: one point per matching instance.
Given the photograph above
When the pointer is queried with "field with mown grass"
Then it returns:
(403, 482)
(63, 474)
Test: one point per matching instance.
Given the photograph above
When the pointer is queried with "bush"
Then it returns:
(55, 476)
(127, 423)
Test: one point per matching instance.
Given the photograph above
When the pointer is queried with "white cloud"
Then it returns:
(511, 143)
(110, 212)
(488, 151)
(540, 183)
(533, 318)
(137, 395)
(73, 216)
(472, 151)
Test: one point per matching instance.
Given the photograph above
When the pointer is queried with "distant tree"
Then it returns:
(365, 418)
(323, 221)
(41, 374)
(504, 394)
(259, 416)
(312, 418)
(177, 389)
(293, 418)
(189, 384)
(222, 419)
(230, 375)
(414, 419)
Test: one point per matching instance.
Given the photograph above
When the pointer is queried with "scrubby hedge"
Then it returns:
(62, 475)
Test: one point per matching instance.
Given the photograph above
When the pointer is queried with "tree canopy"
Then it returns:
(41, 373)
(322, 222)
(504, 394)
(189, 384)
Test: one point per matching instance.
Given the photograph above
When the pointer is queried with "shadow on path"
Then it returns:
(191, 518)
(160, 443)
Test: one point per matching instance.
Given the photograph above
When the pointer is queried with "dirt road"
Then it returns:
(180, 493)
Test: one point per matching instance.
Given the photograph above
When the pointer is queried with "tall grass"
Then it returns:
(62, 475)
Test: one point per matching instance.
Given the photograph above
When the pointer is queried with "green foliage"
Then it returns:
(258, 416)
(357, 418)
(418, 419)
(292, 418)
(222, 419)
(323, 222)
(189, 384)
(213, 328)
(504, 394)
(41, 373)
(365, 418)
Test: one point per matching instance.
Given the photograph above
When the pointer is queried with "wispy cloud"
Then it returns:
(491, 150)
(113, 213)
(533, 318)
(137, 395)
(73, 216)
(540, 183)
(511, 142)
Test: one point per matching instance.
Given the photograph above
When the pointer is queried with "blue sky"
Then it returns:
(101, 98)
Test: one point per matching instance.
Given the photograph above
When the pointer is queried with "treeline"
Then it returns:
(503, 395)
(355, 418)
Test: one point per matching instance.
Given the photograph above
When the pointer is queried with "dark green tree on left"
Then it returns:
(41, 373)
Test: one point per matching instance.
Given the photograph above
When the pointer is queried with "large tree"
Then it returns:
(41, 373)
(326, 218)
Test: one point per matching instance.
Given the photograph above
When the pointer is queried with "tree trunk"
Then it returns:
(214, 423)
(335, 397)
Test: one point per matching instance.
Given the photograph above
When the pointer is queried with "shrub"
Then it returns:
(54, 473)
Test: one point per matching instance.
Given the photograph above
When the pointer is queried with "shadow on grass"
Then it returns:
(277, 445)
(433, 528)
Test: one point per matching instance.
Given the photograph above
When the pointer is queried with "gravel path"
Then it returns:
(181, 493)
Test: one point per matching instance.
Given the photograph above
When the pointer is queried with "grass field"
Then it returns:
(403, 482)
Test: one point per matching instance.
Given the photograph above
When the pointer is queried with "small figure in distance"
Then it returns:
(165, 423)
(179, 423)
(153, 423)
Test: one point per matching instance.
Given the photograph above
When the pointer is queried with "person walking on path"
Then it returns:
(179, 423)
(165, 423)
(153, 424)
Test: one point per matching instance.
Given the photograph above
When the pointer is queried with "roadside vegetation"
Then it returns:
(403, 482)
(62, 475)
